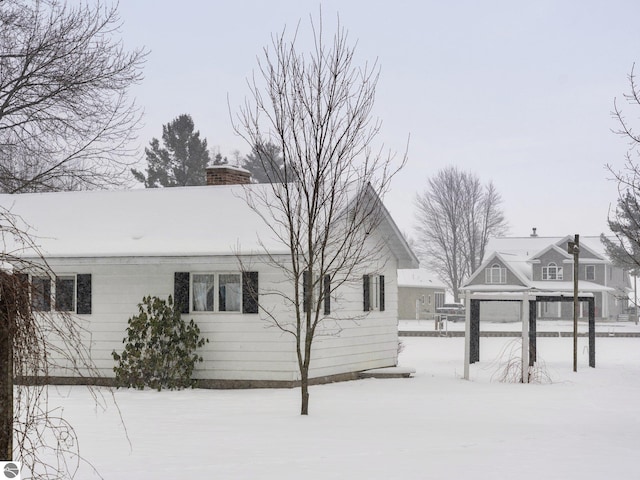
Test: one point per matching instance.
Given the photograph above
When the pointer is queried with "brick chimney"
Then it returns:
(227, 175)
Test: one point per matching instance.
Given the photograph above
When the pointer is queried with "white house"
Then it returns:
(109, 249)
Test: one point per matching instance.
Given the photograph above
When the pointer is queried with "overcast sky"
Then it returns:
(519, 93)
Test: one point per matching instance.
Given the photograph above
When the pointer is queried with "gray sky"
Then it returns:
(519, 93)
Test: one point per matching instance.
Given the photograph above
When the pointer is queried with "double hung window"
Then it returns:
(590, 272)
(70, 293)
(373, 293)
(216, 292)
(496, 274)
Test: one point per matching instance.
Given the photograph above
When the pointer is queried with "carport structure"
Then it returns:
(528, 300)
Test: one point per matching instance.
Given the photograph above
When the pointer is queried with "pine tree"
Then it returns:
(625, 225)
(182, 159)
(265, 163)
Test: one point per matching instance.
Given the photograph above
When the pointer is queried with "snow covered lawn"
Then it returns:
(584, 425)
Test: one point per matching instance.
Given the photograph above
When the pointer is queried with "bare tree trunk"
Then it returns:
(6, 376)
(304, 390)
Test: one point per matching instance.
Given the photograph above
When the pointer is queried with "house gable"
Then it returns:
(498, 271)
(395, 240)
(585, 251)
(552, 264)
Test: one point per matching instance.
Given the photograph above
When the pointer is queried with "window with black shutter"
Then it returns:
(216, 292)
(373, 293)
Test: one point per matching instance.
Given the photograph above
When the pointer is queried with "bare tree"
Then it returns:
(35, 342)
(455, 218)
(624, 221)
(65, 119)
(65, 123)
(481, 218)
(325, 200)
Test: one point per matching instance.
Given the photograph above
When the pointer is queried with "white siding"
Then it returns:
(364, 340)
(241, 346)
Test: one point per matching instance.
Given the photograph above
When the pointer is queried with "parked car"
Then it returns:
(454, 311)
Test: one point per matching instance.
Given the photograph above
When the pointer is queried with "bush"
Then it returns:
(160, 350)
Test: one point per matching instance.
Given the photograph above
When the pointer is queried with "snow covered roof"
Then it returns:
(419, 277)
(142, 222)
(177, 221)
(531, 246)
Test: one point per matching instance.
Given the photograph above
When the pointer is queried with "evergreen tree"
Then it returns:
(218, 159)
(265, 163)
(624, 251)
(182, 159)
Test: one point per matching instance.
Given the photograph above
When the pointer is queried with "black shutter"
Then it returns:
(327, 294)
(41, 294)
(382, 293)
(365, 293)
(249, 292)
(181, 291)
(306, 291)
(22, 293)
(83, 286)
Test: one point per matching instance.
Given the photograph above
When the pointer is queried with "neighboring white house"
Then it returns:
(542, 265)
(420, 292)
(109, 249)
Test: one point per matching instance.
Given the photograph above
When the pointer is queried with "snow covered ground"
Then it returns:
(584, 425)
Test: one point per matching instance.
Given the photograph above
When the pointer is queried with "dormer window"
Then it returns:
(552, 272)
(496, 274)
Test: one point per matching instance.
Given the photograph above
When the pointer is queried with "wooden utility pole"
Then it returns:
(574, 248)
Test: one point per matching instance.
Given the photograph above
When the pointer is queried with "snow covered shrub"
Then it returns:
(160, 350)
(509, 366)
